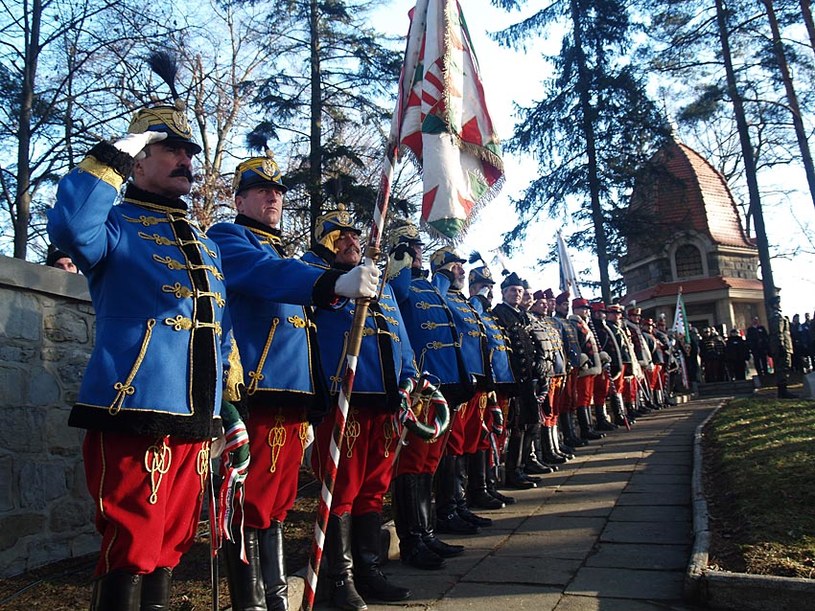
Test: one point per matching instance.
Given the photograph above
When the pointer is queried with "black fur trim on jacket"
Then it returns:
(323, 295)
(198, 427)
(119, 162)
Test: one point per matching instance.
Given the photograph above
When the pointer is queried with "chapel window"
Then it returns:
(688, 261)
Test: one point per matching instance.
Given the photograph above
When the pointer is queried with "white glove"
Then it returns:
(359, 282)
(133, 144)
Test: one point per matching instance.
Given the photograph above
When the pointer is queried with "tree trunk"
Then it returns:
(792, 98)
(583, 85)
(316, 151)
(806, 11)
(22, 197)
(749, 156)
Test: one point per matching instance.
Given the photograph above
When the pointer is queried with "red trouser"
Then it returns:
(277, 440)
(455, 439)
(366, 460)
(148, 493)
(601, 386)
(630, 388)
(653, 376)
(420, 456)
(556, 391)
(584, 391)
(474, 423)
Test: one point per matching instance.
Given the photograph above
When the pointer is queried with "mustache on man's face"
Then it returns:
(185, 172)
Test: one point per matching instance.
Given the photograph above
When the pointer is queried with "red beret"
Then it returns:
(562, 298)
(598, 306)
(615, 308)
(635, 311)
(579, 302)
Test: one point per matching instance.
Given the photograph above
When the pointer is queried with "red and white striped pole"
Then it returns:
(352, 354)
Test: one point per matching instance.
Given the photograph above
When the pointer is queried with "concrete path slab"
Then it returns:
(638, 556)
(627, 583)
(654, 498)
(651, 513)
(587, 603)
(483, 597)
(525, 570)
(646, 532)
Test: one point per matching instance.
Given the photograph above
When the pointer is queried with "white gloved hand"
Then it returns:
(359, 282)
(133, 144)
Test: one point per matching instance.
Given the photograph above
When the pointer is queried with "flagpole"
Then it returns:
(372, 252)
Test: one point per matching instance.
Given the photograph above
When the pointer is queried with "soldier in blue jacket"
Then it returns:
(277, 343)
(151, 397)
(453, 514)
(485, 478)
(434, 338)
(386, 363)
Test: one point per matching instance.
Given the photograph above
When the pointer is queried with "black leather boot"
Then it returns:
(561, 449)
(155, 590)
(586, 430)
(515, 477)
(477, 495)
(273, 567)
(492, 488)
(569, 435)
(339, 564)
(531, 464)
(117, 591)
(366, 544)
(408, 517)
(462, 508)
(245, 580)
(445, 550)
(550, 456)
(448, 519)
(603, 423)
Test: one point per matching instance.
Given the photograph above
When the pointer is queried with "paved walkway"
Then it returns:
(611, 531)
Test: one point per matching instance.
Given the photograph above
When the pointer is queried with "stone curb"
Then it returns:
(724, 590)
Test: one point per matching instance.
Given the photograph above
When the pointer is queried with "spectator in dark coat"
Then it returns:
(736, 353)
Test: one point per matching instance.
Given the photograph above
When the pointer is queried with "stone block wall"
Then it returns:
(46, 335)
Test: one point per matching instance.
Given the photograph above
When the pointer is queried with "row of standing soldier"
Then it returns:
(198, 333)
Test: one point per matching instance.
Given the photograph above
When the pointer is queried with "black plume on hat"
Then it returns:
(166, 68)
(476, 256)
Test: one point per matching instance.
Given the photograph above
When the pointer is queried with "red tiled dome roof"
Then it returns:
(689, 193)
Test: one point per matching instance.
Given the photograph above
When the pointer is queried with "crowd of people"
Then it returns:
(785, 348)
(220, 344)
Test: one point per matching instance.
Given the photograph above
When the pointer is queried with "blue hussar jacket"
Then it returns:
(385, 358)
(276, 338)
(432, 334)
(471, 332)
(502, 375)
(163, 339)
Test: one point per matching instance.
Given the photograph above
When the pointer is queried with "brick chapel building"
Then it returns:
(698, 244)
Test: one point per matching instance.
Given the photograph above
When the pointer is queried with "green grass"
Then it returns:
(763, 477)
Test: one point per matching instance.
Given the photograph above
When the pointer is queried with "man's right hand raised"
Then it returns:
(134, 144)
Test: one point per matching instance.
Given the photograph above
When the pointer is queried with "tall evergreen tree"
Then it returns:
(334, 73)
(593, 127)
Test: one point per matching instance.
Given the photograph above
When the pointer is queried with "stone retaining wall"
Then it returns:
(46, 335)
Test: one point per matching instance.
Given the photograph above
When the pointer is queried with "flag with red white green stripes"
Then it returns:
(441, 118)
